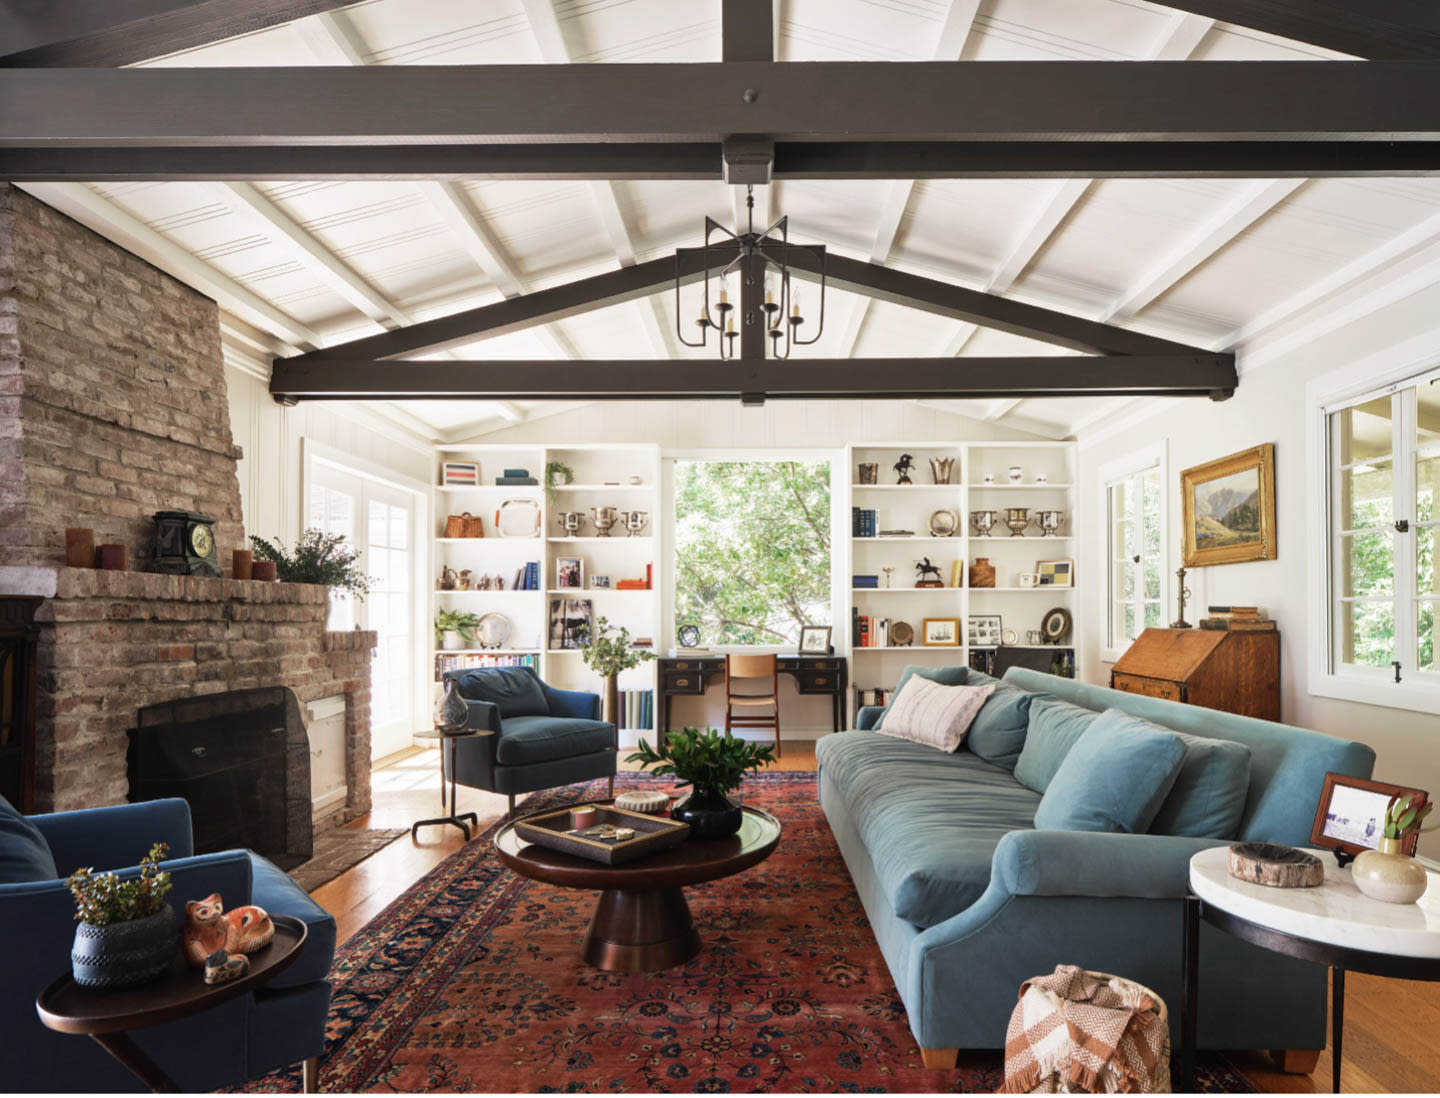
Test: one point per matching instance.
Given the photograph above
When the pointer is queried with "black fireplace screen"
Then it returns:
(242, 761)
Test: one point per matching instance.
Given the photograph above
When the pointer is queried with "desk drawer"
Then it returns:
(822, 665)
(684, 682)
(1151, 688)
(819, 682)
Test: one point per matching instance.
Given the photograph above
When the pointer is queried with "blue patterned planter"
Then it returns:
(124, 954)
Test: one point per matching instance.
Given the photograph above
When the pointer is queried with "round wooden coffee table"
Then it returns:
(642, 922)
(107, 1016)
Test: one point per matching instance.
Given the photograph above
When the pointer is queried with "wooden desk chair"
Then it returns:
(752, 667)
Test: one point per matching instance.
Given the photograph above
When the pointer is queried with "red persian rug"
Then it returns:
(472, 981)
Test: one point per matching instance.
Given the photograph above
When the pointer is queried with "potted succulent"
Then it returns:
(711, 764)
(608, 652)
(127, 933)
(1388, 873)
(455, 629)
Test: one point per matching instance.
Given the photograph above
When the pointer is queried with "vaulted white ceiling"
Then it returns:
(1208, 262)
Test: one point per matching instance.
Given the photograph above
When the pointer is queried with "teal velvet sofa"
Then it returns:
(967, 899)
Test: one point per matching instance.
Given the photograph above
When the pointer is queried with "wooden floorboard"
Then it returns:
(1392, 1027)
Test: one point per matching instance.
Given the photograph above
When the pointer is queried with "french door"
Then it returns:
(379, 520)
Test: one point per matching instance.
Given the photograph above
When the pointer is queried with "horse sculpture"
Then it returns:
(927, 574)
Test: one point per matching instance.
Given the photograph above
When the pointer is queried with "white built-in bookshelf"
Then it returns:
(910, 507)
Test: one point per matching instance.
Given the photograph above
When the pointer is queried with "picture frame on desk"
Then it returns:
(1351, 814)
(814, 640)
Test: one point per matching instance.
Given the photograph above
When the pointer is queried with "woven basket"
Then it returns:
(454, 526)
(1161, 1083)
(474, 525)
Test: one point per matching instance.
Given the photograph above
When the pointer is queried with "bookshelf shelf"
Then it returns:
(916, 540)
(643, 539)
(906, 590)
(490, 542)
(1008, 487)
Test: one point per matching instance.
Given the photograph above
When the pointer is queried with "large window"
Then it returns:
(1134, 548)
(1384, 529)
(752, 549)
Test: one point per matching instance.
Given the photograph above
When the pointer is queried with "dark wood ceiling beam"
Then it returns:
(747, 30)
(1382, 30)
(96, 34)
(408, 105)
(1211, 375)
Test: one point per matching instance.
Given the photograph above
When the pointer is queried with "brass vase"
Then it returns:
(940, 469)
(982, 573)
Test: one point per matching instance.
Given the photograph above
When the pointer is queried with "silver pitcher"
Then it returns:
(1049, 522)
(634, 521)
(603, 518)
(983, 522)
(940, 469)
(1017, 518)
(570, 521)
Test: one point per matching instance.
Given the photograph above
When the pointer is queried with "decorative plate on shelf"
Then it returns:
(1008, 637)
(901, 633)
(688, 636)
(493, 630)
(1055, 625)
(944, 523)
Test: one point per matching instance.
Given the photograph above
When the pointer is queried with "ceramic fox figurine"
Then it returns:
(208, 928)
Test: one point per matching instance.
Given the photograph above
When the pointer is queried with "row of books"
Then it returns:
(862, 522)
(1251, 619)
(877, 695)
(455, 661)
(867, 631)
(637, 584)
(527, 577)
(637, 709)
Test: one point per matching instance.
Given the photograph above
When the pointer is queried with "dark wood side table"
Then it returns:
(642, 922)
(1333, 924)
(447, 766)
(812, 674)
(108, 1016)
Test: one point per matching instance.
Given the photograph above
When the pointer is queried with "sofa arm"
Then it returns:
(572, 703)
(867, 717)
(117, 836)
(1097, 864)
(482, 716)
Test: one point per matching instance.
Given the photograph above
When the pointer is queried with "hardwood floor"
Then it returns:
(1392, 1027)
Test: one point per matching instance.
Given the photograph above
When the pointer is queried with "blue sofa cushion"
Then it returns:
(273, 889)
(997, 734)
(945, 676)
(527, 740)
(1208, 797)
(515, 690)
(1053, 729)
(1114, 778)
(24, 853)
(930, 821)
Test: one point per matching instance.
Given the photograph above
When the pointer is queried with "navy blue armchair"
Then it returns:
(279, 1025)
(532, 735)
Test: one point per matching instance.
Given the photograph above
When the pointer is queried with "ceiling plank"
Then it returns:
(1384, 30)
(1198, 374)
(71, 34)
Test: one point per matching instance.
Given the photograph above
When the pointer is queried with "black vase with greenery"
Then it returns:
(712, 765)
(127, 933)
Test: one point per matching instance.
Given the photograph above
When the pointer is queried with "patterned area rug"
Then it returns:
(472, 981)
(337, 850)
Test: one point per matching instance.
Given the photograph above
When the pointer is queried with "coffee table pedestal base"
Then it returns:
(641, 930)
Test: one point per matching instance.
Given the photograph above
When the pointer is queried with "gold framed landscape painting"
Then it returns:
(1228, 509)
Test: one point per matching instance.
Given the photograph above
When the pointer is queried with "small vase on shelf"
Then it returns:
(1388, 875)
(982, 573)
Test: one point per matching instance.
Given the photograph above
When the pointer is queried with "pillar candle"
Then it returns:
(263, 570)
(80, 547)
(241, 564)
(113, 558)
(582, 817)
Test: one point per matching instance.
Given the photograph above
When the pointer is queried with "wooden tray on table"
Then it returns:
(652, 834)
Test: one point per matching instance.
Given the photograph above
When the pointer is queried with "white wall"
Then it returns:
(1269, 406)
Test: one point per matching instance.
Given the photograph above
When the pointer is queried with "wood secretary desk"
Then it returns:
(1231, 670)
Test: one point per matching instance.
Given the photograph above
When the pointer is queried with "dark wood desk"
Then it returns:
(812, 674)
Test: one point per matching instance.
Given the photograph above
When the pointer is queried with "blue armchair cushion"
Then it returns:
(515, 690)
(945, 676)
(527, 740)
(1114, 778)
(275, 891)
(1208, 797)
(998, 732)
(1054, 728)
(24, 853)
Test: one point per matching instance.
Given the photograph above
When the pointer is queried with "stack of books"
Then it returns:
(1237, 619)
(637, 709)
(692, 653)
(527, 578)
(867, 631)
(636, 584)
(862, 522)
(515, 477)
(454, 661)
(865, 581)
(896, 534)
(878, 695)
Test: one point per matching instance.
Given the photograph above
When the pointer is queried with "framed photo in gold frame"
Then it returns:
(1228, 509)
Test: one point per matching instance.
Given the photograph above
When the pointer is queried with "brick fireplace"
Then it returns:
(112, 407)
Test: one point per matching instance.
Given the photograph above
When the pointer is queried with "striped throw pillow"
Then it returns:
(935, 715)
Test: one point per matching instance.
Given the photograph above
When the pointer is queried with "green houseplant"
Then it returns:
(318, 558)
(127, 933)
(712, 765)
(557, 473)
(607, 652)
(455, 629)
(1388, 873)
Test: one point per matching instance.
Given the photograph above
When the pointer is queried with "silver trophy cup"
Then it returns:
(983, 522)
(571, 521)
(1017, 518)
(603, 518)
(1050, 522)
(634, 521)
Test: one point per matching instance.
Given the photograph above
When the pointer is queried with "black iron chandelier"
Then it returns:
(768, 306)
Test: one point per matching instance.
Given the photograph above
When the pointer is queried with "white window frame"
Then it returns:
(1326, 395)
(1131, 466)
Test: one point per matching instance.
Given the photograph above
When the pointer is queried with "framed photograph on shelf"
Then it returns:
(600, 583)
(569, 572)
(1054, 573)
(814, 640)
(1228, 509)
(569, 622)
(941, 632)
(1351, 816)
(984, 631)
(463, 473)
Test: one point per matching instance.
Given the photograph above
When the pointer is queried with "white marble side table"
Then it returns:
(1333, 924)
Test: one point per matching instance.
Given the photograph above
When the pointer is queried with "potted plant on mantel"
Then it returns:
(608, 652)
(318, 558)
(712, 765)
(127, 933)
(455, 629)
(1388, 873)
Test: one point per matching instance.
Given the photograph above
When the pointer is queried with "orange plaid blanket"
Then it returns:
(1073, 1032)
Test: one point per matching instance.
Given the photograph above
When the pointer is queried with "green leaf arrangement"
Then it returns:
(607, 651)
(456, 621)
(704, 760)
(1405, 814)
(102, 898)
(556, 474)
(318, 558)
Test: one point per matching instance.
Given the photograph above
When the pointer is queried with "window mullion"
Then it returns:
(1407, 639)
